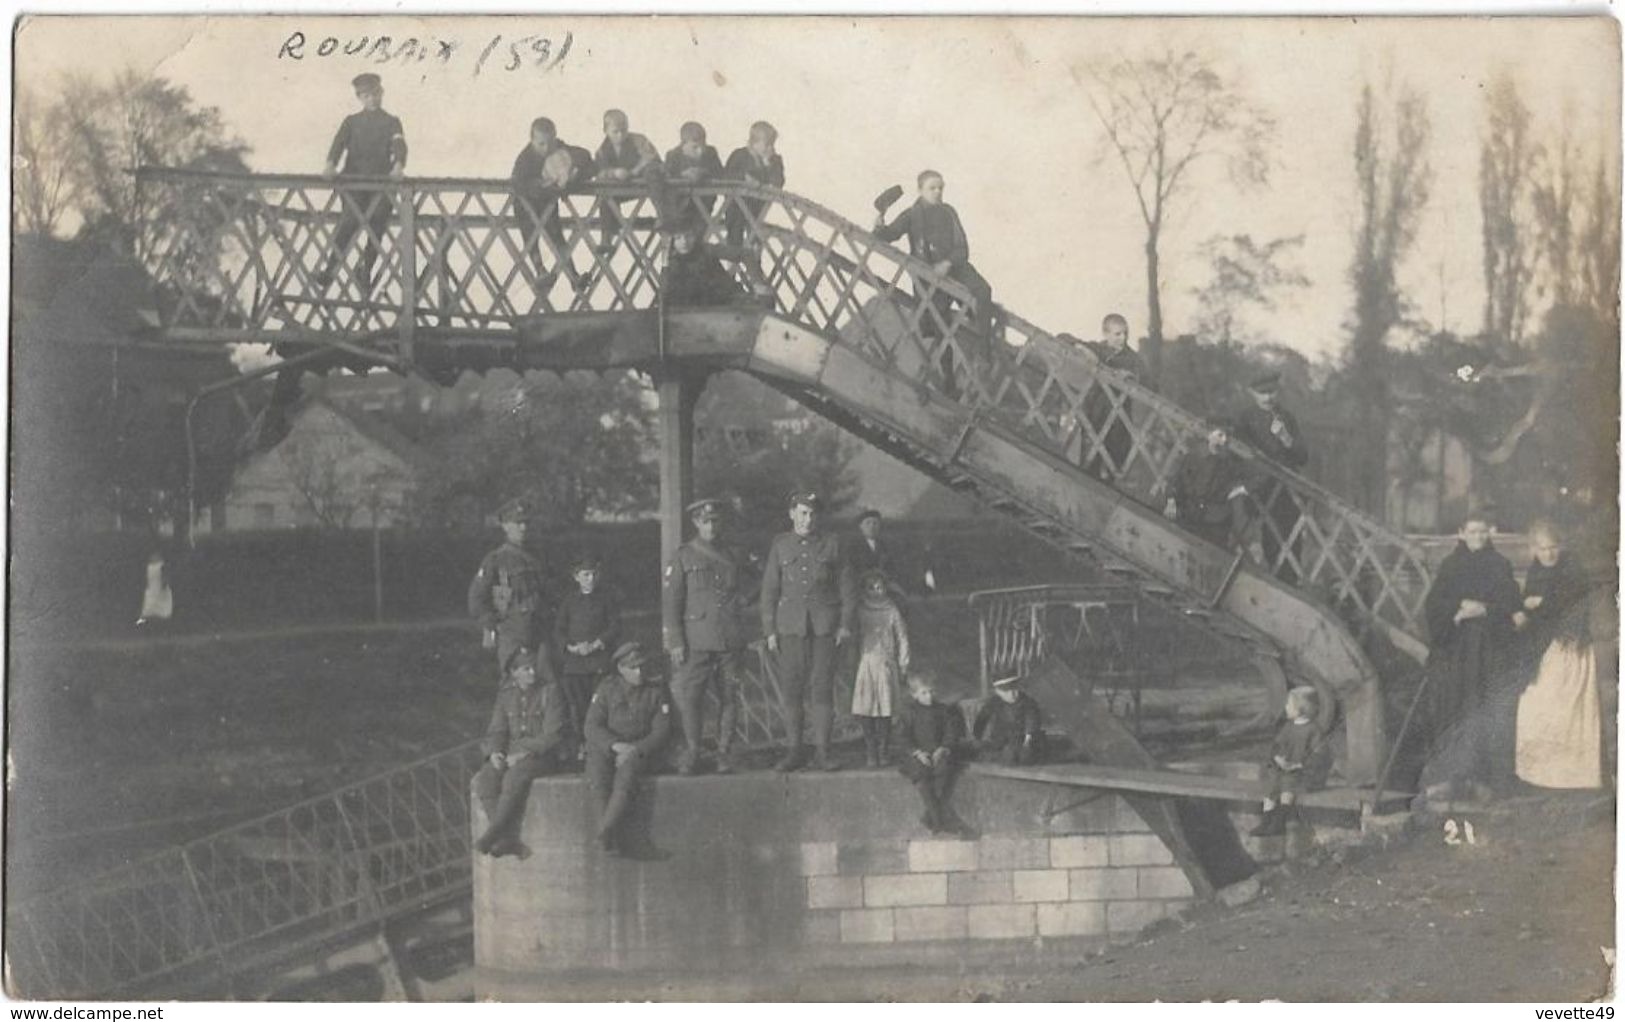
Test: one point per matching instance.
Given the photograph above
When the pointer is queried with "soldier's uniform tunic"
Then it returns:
(506, 595)
(527, 726)
(808, 592)
(623, 712)
(702, 589)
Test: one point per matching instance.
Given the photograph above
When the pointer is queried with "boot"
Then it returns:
(1272, 825)
(883, 740)
(792, 759)
(871, 754)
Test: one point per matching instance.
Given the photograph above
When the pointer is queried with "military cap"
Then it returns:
(1266, 383)
(708, 510)
(524, 656)
(513, 511)
(806, 498)
(1009, 682)
(630, 654)
(586, 560)
(367, 82)
(868, 513)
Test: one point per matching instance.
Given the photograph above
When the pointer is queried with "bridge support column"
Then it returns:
(679, 392)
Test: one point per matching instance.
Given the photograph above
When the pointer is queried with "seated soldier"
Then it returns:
(930, 736)
(526, 736)
(1208, 491)
(627, 724)
(1009, 728)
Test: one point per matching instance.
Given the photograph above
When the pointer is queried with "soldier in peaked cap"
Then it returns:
(371, 143)
(809, 600)
(506, 593)
(1272, 431)
(523, 742)
(627, 724)
(703, 590)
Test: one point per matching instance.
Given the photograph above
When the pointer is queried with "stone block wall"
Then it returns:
(773, 874)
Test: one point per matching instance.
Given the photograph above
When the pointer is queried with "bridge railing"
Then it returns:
(398, 262)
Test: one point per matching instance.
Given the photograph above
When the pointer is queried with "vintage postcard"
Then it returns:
(559, 507)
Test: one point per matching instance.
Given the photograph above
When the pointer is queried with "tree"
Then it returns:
(756, 447)
(1393, 178)
(1163, 114)
(43, 190)
(1245, 274)
(138, 120)
(573, 446)
(1508, 155)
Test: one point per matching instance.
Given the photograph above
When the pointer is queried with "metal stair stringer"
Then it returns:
(973, 451)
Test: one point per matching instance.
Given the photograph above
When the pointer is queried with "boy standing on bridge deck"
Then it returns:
(627, 725)
(1116, 439)
(1272, 431)
(1208, 491)
(622, 156)
(936, 236)
(371, 143)
(522, 743)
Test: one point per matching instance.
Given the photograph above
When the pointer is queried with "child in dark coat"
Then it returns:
(1009, 728)
(587, 627)
(1297, 740)
(930, 738)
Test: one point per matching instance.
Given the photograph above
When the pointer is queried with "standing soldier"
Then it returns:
(702, 591)
(371, 143)
(627, 723)
(506, 594)
(1272, 431)
(809, 599)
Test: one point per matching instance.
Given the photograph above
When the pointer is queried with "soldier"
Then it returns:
(1009, 727)
(809, 600)
(627, 723)
(526, 736)
(506, 594)
(702, 592)
(1272, 431)
(371, 143)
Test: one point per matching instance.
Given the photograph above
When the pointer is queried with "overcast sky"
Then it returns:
(995, 104)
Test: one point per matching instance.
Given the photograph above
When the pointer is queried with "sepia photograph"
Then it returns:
(727, 508)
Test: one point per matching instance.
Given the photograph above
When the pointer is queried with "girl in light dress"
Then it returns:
(883, 659)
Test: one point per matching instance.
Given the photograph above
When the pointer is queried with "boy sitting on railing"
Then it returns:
(931, 738)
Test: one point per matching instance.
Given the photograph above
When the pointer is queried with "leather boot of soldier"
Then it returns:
(725, 729)
(620, 798)
(823, 719)
(502, 819)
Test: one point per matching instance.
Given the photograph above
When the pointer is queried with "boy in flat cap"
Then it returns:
(371, 143)
(506, 593)
(702, 591)
(1009, 727)
(586, 628)
(627, 725)
(809, 602)
(1272, 431)
(523, 742)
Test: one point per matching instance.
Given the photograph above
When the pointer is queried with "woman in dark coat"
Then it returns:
(1559, 722)
(1473, 611)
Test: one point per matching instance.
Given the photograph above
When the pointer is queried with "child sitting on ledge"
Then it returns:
(930, 736)
(1297, 740)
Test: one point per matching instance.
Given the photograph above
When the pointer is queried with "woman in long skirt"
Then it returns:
(1559, 715)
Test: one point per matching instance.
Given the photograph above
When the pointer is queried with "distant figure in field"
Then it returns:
(586, 629)
(936, 236)
(157, 599)
(1297, 739)
(758, 163)
(525, 740)
(883, 662)
(1208, 491)
(371, 143)
(1009, 727)
(505, 595)
(1273, 431)
(1559, 722)
(1473, 610)
(623, 155)
(627, 727)
(1111, 457)
(544, 169)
